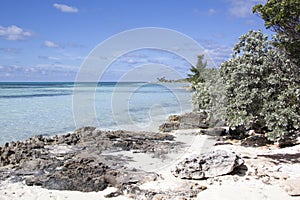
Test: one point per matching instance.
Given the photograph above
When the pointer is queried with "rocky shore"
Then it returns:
(91, 160)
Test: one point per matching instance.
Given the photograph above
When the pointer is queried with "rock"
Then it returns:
(217, 131)
(194, 120)
(174, 118)
(74, 161)
(292, 186)
(184, 191)
(288, 140)
(79, 174)
(255, 141)
(168, 127)
(206, 165)
(238, 133)
(132, 176)
(186, 121)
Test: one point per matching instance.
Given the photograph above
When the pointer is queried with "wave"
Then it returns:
(31, 95)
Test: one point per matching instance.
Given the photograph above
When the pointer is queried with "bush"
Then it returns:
(262, 87)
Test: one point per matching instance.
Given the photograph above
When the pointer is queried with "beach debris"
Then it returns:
(206, 165)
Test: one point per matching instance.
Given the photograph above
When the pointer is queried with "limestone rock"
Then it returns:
(210, 164)
(74, 161)
(194, 120)
(292, 187)
(174, 118)
(189, 120)
(169, 126)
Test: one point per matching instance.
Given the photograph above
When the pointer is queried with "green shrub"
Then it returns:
(262, 87)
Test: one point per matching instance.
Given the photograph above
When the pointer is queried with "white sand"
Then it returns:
(230, 187)
(16, 191)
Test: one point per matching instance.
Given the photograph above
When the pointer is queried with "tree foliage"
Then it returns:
(259, 86)
(262, 87)
(209, 93)
(198, 72)
(283, 17)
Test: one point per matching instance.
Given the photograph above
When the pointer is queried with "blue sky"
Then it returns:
(49, 40)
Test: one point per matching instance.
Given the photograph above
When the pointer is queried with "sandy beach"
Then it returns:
(264, 178)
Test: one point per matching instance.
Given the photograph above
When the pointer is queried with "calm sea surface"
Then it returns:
(28, 109)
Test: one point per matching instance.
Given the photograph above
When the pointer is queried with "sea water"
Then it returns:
(28, 109)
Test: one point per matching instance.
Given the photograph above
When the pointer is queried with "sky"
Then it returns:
(50, 40)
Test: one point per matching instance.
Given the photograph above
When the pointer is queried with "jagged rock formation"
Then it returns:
(206, 165)
(75, 161)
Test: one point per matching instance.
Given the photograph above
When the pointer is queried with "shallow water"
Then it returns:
(28, 109)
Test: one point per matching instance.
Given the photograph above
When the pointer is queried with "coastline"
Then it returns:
(266, 176)
(46, 108)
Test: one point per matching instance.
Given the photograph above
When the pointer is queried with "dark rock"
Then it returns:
(75, 161)
(211, 164)
(237, 133)
(194, 120)
(289, 140)
(186, 121)
(222, 143)
(78, 175)
(169, 126)
(216, 131)
(256, 141)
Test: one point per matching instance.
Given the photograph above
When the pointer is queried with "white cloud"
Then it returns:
(48, 58)
(218, 53)
(131, 61)
(212, 11)
(65, 8)
(14, 33)
(51, 44)
(10, 50)
(242, 8)
(57, 67)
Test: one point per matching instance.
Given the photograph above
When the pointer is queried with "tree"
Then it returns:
(243, 76)
(262, 88)
(283, 17)
(198, 71)
(282, 97)
(209, 93)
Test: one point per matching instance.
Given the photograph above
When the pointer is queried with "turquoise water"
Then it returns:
(28, 109)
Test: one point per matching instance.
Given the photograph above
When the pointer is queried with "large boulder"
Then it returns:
(206, 165)
(194, 120)
(189, 120)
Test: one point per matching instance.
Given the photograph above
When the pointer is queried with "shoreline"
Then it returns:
(266, 175)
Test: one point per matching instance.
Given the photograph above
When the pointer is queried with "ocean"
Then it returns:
(28, 109)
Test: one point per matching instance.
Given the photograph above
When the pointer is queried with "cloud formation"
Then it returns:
(212, 11)
(10, 50)
(14, 33)
(65, 8)
(242, 8)
(51, 44)
(48, 58)
(53, 72)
